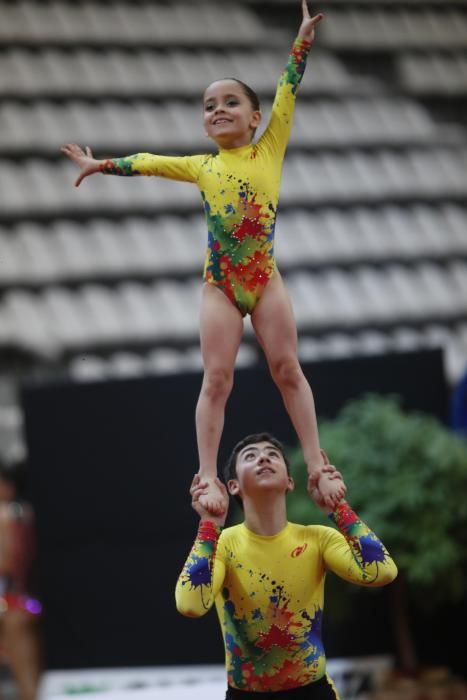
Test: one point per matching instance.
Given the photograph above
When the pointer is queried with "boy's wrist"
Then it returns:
(337, 508)
(210, 522)
(343, 515)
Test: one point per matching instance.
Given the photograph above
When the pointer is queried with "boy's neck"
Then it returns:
(267, 516)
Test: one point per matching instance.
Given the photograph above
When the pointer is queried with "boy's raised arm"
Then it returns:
(355, 553)
(203, 573)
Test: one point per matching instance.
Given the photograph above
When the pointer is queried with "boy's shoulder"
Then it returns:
(231, 531)
(293, 530)
(309, 531)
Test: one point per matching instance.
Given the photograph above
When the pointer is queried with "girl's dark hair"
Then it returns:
(230, 469)
(249, 92)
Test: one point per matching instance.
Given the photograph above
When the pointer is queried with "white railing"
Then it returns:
(353, 678)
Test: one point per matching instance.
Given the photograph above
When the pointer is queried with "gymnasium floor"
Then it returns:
(351, 676)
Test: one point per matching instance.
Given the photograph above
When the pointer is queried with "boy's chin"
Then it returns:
(269, 487)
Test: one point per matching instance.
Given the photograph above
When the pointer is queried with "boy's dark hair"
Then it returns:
(230, 469)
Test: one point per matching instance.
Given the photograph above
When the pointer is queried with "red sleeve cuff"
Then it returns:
(208, 531)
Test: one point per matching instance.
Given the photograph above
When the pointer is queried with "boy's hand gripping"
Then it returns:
(326, 486)
(202, 500)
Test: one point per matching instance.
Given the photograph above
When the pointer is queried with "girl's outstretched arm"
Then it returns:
(183, 168)
(85, 161)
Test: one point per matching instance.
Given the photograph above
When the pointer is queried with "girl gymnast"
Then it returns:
(239, 187)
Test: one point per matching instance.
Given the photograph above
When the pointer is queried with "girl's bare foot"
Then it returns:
(212, 498)
(332, 488)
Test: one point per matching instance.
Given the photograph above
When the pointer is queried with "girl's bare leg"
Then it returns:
(276, 330)
(23, 648)
(221, 330)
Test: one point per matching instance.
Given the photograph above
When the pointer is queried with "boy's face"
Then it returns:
(260, 467)
(228, 115)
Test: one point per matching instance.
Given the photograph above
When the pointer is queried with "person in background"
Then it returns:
(20, 611)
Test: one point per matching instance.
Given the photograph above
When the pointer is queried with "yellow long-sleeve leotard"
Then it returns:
(240, 192)
(269, 593)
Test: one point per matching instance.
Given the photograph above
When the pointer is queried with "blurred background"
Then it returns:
(99, 287)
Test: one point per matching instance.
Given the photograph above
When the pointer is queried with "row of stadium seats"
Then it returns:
(395, 28)
(204, 23)
(128, 23)
(176, 125)
(59, 73)
(58, 319)
(34, 254)
(453, 340)
(433, 74)
(36, 187)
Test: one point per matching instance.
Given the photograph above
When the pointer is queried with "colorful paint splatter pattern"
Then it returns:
(269, 594)
(240, 191)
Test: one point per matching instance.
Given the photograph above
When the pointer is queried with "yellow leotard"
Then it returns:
(240, 192)
(269, 593)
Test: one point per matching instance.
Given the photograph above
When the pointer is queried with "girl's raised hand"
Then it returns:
(83, 159)
(307, 27)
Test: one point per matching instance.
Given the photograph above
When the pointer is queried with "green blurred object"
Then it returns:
(406, 475)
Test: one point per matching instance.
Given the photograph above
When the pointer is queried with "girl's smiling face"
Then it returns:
(229, 117)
